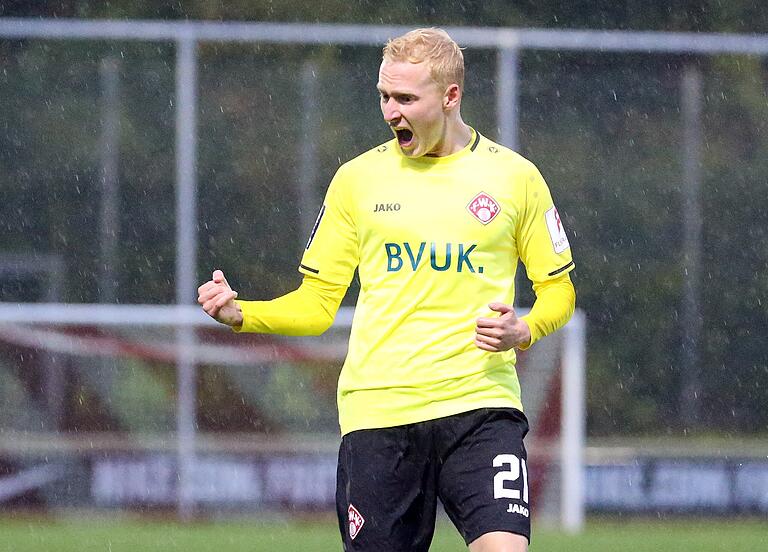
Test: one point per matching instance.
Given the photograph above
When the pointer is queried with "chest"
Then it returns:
(437, 207)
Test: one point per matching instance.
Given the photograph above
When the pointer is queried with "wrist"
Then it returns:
(526, 335)
(238, 320)
(235, 318)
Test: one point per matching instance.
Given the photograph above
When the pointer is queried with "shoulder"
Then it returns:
(352, 177)
(492, 152)
(509, 166)
(372, 159)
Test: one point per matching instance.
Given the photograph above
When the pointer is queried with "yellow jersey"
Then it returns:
(435, 240)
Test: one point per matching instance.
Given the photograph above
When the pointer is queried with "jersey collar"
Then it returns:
(431, 160)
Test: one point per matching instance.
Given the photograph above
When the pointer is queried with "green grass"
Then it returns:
(111, 535)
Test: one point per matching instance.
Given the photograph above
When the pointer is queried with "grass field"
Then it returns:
(110, 535)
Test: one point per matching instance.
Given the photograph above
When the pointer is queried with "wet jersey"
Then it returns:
(435, 240)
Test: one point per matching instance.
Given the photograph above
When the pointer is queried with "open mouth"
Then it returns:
(404, 137)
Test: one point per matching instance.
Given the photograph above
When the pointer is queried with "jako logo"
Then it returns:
(517, 509)
(483, 207)
(386, 207)
(415, 255)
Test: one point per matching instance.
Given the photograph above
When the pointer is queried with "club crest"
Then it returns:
(356, 522)
(483, 207)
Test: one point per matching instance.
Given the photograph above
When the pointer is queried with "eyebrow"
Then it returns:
(395, 92)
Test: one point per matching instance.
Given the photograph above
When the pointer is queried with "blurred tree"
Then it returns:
(605, 129)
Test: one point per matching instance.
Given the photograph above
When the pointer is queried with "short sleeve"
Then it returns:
(332, 251)
(542, 242)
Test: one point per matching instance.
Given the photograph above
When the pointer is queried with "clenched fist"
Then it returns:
(502, 333)
(218, 300)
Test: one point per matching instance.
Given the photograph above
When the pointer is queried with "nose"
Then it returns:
(390, 111)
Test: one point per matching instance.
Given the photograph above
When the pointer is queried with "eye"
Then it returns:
(384, 97)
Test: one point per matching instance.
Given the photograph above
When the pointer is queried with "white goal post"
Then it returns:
(574, 423)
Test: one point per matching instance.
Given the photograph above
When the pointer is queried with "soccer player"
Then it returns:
(435, 221)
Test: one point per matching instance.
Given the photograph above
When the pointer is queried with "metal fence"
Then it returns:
(499, 58)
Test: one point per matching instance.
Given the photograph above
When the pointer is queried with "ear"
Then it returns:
(452, 96)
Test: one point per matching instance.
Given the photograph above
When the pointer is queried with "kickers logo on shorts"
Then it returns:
(356, 522)
(483, 207)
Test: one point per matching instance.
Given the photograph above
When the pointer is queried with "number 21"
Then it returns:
(516, 467)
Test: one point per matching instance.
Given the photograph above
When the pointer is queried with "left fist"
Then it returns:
(501, 333)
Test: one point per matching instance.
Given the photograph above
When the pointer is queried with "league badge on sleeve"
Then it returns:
(556, 230)
(483, 207)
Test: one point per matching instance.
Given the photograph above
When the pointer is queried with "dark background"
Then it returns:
(605, 130)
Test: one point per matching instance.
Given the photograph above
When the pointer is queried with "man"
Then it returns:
(429, 401)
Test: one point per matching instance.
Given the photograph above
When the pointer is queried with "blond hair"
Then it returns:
(433, 46)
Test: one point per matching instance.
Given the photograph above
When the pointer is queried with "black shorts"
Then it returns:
(389, 480)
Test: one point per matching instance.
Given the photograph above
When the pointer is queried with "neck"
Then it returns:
(456, 137)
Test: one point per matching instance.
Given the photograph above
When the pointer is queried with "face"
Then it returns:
(414, 106)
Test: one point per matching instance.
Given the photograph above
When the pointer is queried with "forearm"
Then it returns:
(309, 310)
(554, 305)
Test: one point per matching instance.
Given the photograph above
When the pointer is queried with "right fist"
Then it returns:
(218, 300)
